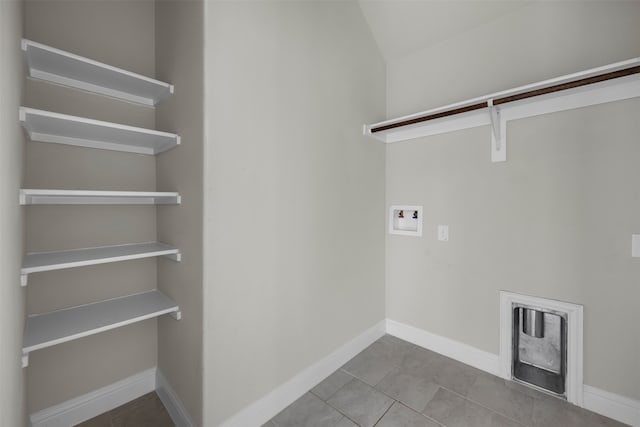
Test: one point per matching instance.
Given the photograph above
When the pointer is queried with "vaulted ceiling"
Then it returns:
(401, 27)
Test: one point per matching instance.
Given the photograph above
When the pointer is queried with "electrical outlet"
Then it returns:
(635, 245)
(443, 233)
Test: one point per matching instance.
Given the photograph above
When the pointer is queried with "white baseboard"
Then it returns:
(461, 352)
(172, 402)
(612, 405)
(605, 403)
(104, 399)
(85, 407)
(270, 405)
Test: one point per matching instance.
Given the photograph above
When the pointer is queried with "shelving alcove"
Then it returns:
(63, 68)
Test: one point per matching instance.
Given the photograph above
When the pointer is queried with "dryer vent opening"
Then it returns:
(540, 348)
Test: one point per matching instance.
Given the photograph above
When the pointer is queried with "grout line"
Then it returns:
(361, 380)
(481, 405)
(424, 415)
(350, 374)
(340, 388)
(341, 413)
(311, 391)
(358, 379)
(385, 412)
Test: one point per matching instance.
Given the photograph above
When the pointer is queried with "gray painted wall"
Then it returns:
(294, 199)
(179, 60)
(120, 34)
(555, 220)
(12, 391)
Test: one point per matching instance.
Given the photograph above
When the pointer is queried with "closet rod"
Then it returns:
(519, 96)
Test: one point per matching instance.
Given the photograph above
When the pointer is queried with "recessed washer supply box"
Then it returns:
(405, 220)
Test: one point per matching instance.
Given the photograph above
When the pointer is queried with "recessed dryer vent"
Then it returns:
(405, 220)
(540, 348)
(541, 344)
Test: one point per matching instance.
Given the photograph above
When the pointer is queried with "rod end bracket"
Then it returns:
(498, 134)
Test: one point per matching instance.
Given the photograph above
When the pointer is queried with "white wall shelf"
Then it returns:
(64, 68)
(84, 197)
(47, 261)
(46, 126)
(57, 327)
(481, 111)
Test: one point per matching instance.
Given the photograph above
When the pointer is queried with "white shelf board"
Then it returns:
(64, 68)
(84, 197)
(46, 126)
(47, 261)
(48, 329)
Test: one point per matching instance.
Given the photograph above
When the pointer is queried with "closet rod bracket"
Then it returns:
(498, 134)
(494, 114)
(25, 360)
(24, 279)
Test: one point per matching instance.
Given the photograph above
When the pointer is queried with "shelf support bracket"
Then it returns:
(23, 280)
(25, 360)
(177, 315)
(498, 134)
(174, 257)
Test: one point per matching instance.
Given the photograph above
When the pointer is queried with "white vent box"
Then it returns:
(405, 220)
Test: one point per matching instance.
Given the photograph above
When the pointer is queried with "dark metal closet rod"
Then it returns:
(529, 94)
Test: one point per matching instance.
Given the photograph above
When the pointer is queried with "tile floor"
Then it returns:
(393, 383)
(145, 411)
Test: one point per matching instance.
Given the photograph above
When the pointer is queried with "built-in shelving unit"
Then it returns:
(613, 82)
(64, 68)
(48, 261)
(86, 197)
(48, 329)
(46, 126)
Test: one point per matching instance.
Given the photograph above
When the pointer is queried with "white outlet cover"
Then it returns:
(635, 245)
(443, 233)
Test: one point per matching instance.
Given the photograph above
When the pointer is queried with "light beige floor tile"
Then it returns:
(308, 411)
(361, 403)
(493, 393)
(412, 390)
(331, 384)
(401, 416)
(453, 410)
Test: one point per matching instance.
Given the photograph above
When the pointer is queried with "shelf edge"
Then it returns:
(58, 79)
